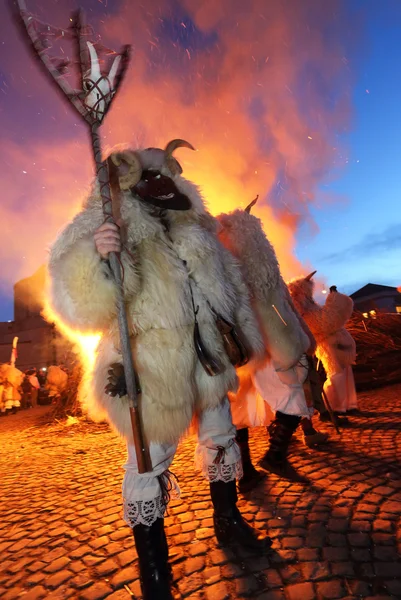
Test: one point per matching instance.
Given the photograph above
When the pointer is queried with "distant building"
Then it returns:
(39, 343)
(379, 298)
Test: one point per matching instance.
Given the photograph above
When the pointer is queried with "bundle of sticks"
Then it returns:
(378, 343)
(67, 403)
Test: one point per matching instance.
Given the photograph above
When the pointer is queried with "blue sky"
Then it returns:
(359, 231)
(360, 239)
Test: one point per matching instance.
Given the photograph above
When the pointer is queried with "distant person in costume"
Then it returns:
(336, 348)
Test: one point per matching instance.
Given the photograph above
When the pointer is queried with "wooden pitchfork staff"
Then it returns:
(92, 103)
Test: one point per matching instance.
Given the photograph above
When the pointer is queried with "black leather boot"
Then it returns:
(312, 437)
(251, 477)
(275, 460)
(229, 526)
(154, 571)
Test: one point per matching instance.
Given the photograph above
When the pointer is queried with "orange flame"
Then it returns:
(84, 345)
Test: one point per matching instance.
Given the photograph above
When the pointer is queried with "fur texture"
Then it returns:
(159, 268)
(285, 338)
(11, 374)
(56, 380)
(335, 346)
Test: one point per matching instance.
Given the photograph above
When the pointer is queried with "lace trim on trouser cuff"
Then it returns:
(224, 473)
(144, 512)
(212, 462)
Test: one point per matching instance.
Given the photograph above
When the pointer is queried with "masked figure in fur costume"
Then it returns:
(278, 379)
(182, 289)
(335, 345)
(12, 379)
(56, 382)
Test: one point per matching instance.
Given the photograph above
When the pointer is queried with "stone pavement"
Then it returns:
(62, 534)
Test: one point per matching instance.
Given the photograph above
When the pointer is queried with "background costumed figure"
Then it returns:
(11, 379)
(336, 348)
(56, 382)
(278, 378)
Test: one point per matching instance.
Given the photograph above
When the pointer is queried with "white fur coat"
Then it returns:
(157, 267)
(285, 338)
(335, 345)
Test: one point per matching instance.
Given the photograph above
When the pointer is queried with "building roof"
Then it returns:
(373, 288)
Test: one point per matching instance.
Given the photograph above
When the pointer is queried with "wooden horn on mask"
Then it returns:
(172, 163)
(248, 208)
(309, 277)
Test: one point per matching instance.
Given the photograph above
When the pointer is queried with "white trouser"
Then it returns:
(9, 398)
(340, 390)
(217, 456)
(271, 391)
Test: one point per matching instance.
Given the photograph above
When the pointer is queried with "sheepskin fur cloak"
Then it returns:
(335, 345)
(286, 338)
(160, 268)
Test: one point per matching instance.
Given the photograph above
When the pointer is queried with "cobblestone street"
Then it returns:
(62, 533)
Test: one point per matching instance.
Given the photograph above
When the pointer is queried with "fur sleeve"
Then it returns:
(285, 339)
(82, 291)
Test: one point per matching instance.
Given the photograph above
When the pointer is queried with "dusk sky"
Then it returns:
(359, 240)
(299, 102)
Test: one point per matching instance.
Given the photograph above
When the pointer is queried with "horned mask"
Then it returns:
(307, 285)
(149, 174)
